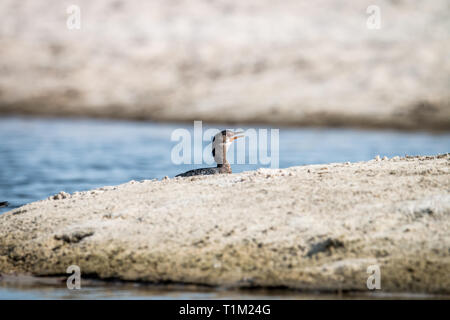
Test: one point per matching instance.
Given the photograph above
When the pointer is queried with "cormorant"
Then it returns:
(220, 144)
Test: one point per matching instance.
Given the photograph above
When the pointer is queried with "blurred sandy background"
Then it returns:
(279, 62)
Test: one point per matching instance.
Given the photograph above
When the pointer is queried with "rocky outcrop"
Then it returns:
(315, 227)
(291, 62)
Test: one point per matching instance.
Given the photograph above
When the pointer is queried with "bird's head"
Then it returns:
(221, 142)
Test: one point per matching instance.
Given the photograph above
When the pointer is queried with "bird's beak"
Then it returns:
(235, 136)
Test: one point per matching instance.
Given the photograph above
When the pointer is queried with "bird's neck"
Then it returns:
(226, 164)
(220, 156)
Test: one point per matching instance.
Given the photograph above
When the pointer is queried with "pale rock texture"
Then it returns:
(316, 227)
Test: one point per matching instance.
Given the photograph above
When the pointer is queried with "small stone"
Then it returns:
(61, 195)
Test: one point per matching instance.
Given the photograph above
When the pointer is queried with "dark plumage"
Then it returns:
(220, 144)
(204, 172)
(3, 204)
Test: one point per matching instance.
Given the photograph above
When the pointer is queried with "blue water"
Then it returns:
(55, 288)
(40, 157)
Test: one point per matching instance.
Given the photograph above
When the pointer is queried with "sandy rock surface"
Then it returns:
(309, 227)
(289, 62)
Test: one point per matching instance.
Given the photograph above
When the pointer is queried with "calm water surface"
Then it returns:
(40, 157)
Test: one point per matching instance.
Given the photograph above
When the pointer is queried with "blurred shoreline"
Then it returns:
(292, 63)
(433, 124)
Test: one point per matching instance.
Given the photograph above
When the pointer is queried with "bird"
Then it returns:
(3, 204)
(220, 143)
